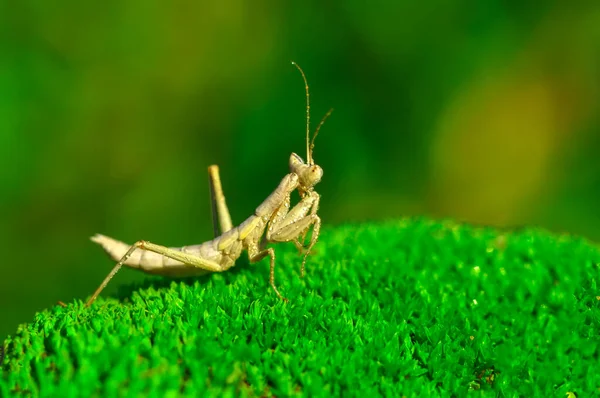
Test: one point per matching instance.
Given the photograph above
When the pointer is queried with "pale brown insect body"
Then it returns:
(273, 221)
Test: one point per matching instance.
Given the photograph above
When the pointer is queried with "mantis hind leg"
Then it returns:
(220, 212)
(185, 258)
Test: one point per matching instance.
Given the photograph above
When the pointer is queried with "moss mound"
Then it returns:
(409, 307)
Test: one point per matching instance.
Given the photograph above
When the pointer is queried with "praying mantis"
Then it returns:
(273, 221)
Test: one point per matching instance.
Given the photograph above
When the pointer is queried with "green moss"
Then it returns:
(412, 307)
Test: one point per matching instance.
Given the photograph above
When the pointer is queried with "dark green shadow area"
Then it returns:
(411, 307)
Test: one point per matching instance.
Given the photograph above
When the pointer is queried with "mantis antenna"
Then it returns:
(308, 151)
(312, 143)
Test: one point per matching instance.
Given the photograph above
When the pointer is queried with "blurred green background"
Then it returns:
(110, 113)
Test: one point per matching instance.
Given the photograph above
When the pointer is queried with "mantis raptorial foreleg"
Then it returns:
(290, 226)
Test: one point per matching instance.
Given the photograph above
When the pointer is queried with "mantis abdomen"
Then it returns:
(158, 264)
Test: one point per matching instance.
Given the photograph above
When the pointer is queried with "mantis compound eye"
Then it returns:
(296, 164)
(311, 175)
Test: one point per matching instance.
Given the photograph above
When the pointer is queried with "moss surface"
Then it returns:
(410, 307)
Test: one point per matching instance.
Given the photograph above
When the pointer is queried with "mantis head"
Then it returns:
(309, 174)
